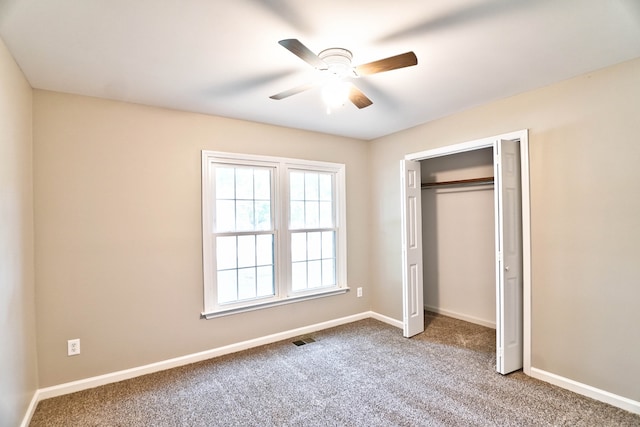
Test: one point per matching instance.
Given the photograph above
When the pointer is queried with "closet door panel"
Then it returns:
(509, 257)
(412, 288)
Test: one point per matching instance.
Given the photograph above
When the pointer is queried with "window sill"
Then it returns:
(259, 306)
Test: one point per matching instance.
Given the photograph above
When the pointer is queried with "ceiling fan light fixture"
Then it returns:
(335, 93)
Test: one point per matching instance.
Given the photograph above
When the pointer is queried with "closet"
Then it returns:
(465, 241)
(458, 235)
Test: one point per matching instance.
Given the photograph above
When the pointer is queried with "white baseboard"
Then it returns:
(385, 319)
(466, 318)
(30, 410)
(74, 386)
(587, 390)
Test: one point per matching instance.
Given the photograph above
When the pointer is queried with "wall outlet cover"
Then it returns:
(73, 347)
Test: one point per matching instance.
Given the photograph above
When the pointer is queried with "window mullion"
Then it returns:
(312, 230)
(285, 233)
(243, 233)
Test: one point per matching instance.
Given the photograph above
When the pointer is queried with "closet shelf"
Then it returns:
(472, 181)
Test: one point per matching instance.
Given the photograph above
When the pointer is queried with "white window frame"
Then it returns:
(282, 236)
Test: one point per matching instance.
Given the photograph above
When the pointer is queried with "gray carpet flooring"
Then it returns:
(360, 374)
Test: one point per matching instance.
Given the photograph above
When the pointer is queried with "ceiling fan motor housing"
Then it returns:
(338, 61)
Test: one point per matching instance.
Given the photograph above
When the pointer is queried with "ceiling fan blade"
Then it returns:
(358, 98)
(292, 91)
(392, 63)
(297, 48)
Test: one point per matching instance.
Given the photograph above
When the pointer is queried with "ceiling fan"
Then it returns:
(335, 66)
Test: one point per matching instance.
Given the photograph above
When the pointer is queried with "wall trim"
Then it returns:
(388, 320)
(466, 318)
(30, 410)
(587, 390)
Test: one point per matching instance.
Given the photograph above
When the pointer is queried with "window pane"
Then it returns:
(264, 249)
(244, 216)
(226, 252)
(227, 286)
(314, 246)
(326, 187)
(298, 247)
(244, 183)
(328, 247)
(225, 216)
(312, 214)
(296, 186)
(311, 187)
(299, 276)
(263, 215)
(315, 274)
(246, 251)
(265, 281)
(246, 283)
(225, 185)
(328, 272)
(262, 184)
(297, 215)
(326, 215)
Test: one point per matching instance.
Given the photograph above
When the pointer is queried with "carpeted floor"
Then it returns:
(361, 374)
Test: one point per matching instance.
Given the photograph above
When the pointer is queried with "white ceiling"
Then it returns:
(221, 57)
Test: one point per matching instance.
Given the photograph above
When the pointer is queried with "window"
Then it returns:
(273, 231)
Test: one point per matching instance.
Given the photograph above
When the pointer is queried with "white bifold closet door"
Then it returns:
(508, 202)
(413, 304)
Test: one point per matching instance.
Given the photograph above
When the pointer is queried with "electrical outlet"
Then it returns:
(73, 347)
(359, 292)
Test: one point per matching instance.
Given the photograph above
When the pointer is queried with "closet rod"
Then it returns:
(472, 181)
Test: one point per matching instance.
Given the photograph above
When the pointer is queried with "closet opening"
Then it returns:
(466, 240)
(458, 235)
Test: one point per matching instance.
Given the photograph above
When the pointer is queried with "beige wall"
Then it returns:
(18, 369)
(585, 219)
(119, 244)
